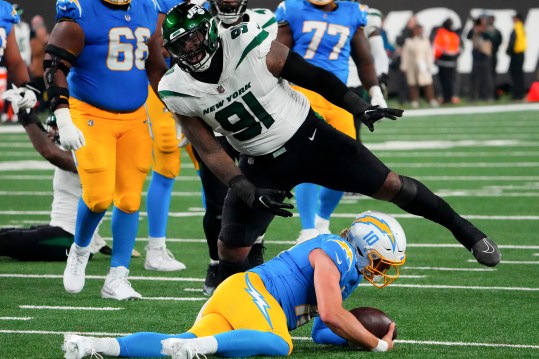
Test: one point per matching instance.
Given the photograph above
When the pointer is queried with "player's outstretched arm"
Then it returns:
(216, 158)
(66, 42)
(328, 296)
(289, 65)
(155, 63)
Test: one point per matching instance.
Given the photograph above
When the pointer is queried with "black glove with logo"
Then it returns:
(267, 199)
(375, 113)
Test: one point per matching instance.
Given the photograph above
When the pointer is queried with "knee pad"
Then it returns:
(167, 164)
(128, 203)
(97, 203)
(407, 193)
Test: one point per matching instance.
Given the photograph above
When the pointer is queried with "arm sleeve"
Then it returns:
(321, 334)
(381, 61)
(314, 78)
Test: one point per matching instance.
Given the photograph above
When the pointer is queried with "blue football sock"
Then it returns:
(146, 344)
(307, 200)
(86, 224)
(124, 233)
(246, 343)
(158, 204)
(329, 199)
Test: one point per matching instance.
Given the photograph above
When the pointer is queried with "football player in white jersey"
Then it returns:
(228, 13)
(236, 83)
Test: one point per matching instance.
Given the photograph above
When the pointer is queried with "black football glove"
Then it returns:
(267, 199)
(375, 113)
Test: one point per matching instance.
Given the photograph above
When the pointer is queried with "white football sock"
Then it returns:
(156, 242)
(106, 346)
(204, 345)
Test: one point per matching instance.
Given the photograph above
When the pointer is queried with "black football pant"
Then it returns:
(39, 243)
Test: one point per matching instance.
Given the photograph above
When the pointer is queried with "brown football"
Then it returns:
(374, 320)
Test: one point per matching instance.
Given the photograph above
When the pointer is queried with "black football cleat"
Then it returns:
(486, 252)
(212, 280)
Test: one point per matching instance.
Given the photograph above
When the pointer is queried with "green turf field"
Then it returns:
(486, 165)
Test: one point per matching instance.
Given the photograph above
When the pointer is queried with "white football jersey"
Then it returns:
(67, 191)
(263, 17)
(257, 112)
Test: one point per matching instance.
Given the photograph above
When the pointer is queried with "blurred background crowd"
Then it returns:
(436, 58)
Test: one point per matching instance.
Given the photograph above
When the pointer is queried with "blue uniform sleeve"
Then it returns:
(68, 9)
(362, 16)
(166, 5)
(340, 253)
(321, 334)
(8, 15)
(280, 13)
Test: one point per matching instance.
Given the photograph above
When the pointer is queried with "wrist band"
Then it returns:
(381, 347)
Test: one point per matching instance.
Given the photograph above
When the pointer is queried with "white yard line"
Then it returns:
(68, 308)
(513, 262)
(17, 318)
(176, 279)
(398, 341)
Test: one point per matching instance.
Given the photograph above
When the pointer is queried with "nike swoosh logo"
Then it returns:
(489, 249)
(314, 134)
(260, 199)
(64, 8)
(338, 259)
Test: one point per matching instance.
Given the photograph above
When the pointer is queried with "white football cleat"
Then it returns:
(117, 286)
(77, 347)
(75, 271)
(161, 259)
(180, 349)
(307, 234)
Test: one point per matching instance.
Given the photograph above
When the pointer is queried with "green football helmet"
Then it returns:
(190, 35)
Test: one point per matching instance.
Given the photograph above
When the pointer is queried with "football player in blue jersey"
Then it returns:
(327, 33)
(23, 95)
(100, 56)
(252, 313)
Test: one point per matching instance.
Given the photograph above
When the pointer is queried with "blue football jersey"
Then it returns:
(110, 72)
(289, 277)
(323, 38)
(166, 5)
(8, 17)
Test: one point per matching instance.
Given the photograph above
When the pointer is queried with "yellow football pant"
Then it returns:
(116, 158)
(337, 117)
(166, 154)
(233, 306)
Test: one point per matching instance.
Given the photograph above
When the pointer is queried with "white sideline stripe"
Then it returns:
(336, 215)
(442, 286)
(423, 178)
(431, 342)
(426, 286)
(400, 341)
(59, 276)
(450, 269)
(179, 299)
(68, 308)
(465, 344)
(513, 262)
(470, 110)
(92, 334)
(491, 192)
(16, 318)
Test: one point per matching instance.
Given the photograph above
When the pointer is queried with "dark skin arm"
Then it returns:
(155, 63)
(284, 35)
(361, 54)
(16, 68)
(210, 150)
(46, 148)
(69, 36)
